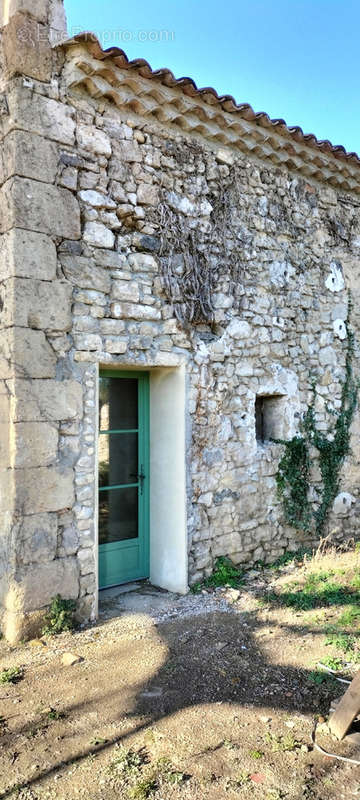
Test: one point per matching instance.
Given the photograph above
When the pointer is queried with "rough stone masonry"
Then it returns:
(144, 223)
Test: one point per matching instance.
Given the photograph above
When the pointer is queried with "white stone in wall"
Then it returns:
(225, 156)
(147, 194)
(87, 341)
(327, 356)
(181, 203)
(342, 504)
(40, 582)
(125, 290)
(115, 345)
(132, 311)
(96, 199)
(340, 328)
(98, 235)
(142, 262)
(335, 280)
(280, 273)
(90, 138)
(239, 329)
(41, 115)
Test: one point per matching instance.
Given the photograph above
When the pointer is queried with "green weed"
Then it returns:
(60, 616)
(333, 662)
(318, 677)
(143, 789)
(127, 762)
(318, 590)
(282, 744)
(224, 573)
(256, 754)
(11, 675)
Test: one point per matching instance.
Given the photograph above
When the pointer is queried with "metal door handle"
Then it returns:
(140, 476)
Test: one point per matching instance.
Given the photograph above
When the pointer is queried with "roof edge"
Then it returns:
(208, 95)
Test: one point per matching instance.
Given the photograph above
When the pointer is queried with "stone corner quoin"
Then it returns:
(130, 238)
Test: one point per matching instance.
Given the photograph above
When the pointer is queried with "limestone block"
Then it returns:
(224, 156)
(142, 262)
(39, 207)
(115, 345)
(28, 155)
(41, 582)
(92, 139)
(36, 538)
(82, 272)
(118, 193)
(43, 489)
(113, 327)
(43, 115)
(327, 356)
(342, 504)
(69, 541)
(239, 329)
(25, 254)
(26, 48)
(96, 199)
(37, 304)
(98, 235)
(86, 560)
(69, 178)
(127, 151)
(34, 444)
(37, 8)
(132, 311)
(125, 290)
(6, 490)
(147, 195)
(57, 19)
(181, 203)
(227, 544)
(110, 258)
(88, 341)
(26, 353)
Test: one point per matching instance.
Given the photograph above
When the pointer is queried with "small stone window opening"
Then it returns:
(269, 417)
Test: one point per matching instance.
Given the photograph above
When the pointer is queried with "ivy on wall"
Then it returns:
(332, 446)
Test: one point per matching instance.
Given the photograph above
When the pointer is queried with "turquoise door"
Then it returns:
(123, 477)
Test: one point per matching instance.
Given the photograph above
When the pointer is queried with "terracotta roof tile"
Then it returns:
(226, 102)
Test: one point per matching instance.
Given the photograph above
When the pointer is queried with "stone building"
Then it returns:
(174, 269)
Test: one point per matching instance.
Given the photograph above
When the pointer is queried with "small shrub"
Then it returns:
(224, 573)
(318, 677)
(333, 663)
(60, 616)
(11, 675)
(282, 744)
(143, 789)
(127, 762)
(257, 754)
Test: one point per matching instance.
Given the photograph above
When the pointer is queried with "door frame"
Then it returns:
(144, 458)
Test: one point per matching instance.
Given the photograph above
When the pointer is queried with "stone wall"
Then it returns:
(127, 242)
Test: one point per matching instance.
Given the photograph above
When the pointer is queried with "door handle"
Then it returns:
(140, 476)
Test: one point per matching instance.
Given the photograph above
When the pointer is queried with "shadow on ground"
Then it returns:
(220, 658)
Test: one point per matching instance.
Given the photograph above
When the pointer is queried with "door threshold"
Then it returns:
(108, 592)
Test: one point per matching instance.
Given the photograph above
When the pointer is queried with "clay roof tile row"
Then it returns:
(208, 95)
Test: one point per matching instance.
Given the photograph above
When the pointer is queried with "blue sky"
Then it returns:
(294, 59)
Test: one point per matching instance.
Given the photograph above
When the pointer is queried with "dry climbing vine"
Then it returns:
(194, 255)
(293, 476)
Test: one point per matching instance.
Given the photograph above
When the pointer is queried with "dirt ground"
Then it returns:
(210, 696)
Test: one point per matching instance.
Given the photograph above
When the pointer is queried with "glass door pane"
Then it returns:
(118, 459)
(118, 515)
(118, 404)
